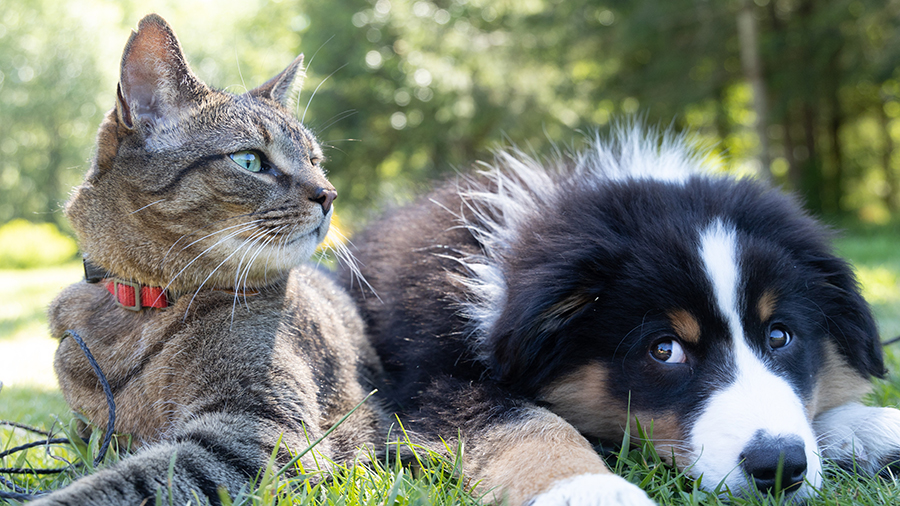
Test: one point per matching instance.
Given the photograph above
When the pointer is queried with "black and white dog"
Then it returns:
(540, 306)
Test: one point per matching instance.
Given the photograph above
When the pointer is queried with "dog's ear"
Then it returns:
(524, 346)
(848, 318)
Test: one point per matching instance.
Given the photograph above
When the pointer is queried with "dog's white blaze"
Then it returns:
(757, 400)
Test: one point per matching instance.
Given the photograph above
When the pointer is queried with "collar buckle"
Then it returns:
(135, 288)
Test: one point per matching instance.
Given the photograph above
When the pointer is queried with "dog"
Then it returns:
(540, 306)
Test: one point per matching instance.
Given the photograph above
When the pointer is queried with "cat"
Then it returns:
(220, 345)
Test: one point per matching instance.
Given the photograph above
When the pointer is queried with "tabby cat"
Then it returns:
(220, 347)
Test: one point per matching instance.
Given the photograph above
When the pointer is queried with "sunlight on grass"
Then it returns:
(25, 295)
(881, 285)
(26, 349)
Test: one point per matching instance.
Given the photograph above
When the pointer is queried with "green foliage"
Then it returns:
(403, 91)
(25, 245)
(49, 80)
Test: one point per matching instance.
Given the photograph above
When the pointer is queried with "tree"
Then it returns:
(48, 83)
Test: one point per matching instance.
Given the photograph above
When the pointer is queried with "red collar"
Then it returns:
(129, 295)
(134, 296)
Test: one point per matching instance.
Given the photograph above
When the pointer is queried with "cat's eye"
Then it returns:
(779, 337)
(248, 160)
(668, 351)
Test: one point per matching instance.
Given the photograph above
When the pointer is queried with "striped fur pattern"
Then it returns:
(539, 305)
(218, 198)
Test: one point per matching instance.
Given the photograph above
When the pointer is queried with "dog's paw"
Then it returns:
(863, 437)
(593, 490)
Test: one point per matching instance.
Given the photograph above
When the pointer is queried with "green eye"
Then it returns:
(248, 160)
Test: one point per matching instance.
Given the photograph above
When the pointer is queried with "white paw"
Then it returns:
(855, 434)
(593, 490)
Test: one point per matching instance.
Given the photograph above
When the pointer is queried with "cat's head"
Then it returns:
(193, 186)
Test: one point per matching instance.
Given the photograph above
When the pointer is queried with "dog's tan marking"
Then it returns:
(666, 434)
(685, 325)
(582, 399)
(766, 305)
(837, 383)
(519, 460)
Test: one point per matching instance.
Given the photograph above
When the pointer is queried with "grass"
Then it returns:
(875, 254)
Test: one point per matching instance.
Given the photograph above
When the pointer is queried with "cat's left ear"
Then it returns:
(285, 87)
(155, 81)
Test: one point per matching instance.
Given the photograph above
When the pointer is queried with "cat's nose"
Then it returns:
(324, 197)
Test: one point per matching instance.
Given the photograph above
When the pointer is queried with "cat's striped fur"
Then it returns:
(252, 351)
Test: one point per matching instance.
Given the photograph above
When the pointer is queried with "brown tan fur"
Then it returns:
(582, 399)
(542, 449)
(685, 325)
(255, 351)
(838, 384)
(766, 305)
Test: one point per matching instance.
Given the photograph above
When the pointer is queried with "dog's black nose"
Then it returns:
(765, 456)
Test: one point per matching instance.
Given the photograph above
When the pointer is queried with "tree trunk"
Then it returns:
(749, 41)
(794, 174)
(887, 156)
(814, 181)
(834, 131)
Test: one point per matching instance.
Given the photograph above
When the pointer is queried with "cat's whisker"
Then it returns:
(239, 283)
(328, 142)
(345, 256)
(332, 146)
(309, 66)
(145, 207)
(240, 73)
(223, 262)
(336, 118)
(238, 271)
(285, 239)
(259, 250)
(209, 235)
(317, 89)
(207, 250)
(219, 231)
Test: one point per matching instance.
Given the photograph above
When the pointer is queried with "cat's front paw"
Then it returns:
(864, 437)
(593, 490)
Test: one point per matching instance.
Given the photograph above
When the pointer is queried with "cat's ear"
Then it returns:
(155, 80)
(285, 87)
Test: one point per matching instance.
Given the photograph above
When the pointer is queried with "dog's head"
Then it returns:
(710, 309)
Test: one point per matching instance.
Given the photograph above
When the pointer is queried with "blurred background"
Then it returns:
(805, 92)
(402, 91)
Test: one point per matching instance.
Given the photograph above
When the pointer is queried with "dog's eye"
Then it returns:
(669, 352)
(779, 337)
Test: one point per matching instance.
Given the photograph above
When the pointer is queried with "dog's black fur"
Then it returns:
(593, 257)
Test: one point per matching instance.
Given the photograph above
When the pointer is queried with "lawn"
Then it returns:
(28, 396)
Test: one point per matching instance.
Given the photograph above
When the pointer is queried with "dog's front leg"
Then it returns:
(862, 437)
(535, 457)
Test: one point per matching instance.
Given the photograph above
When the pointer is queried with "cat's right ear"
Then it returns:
(285, 87)
(155, 80)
